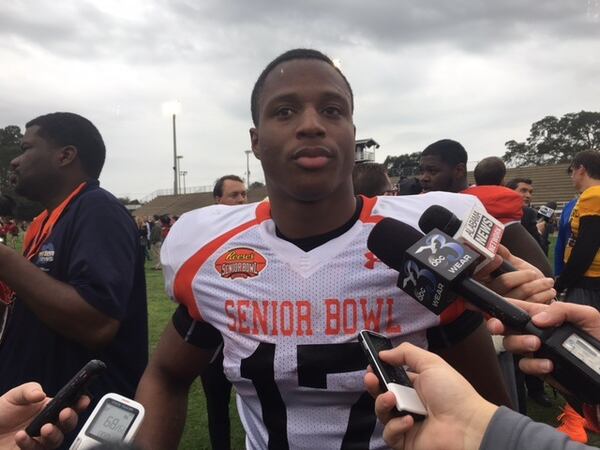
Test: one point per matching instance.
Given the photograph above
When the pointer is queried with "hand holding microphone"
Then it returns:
(435, 268)
(482, 233)
(545, 316)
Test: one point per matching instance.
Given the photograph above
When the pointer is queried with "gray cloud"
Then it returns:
(478, 71)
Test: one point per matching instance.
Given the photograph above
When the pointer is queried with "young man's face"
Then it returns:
(35, 167)
(435, 175)
(305, 134)
(234, 193)
(577, 176)
(526, 191)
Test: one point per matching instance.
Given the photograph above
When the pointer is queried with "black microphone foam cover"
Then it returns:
(390, 239)
(437, 216)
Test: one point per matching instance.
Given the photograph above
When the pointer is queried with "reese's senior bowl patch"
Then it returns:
(240, 262)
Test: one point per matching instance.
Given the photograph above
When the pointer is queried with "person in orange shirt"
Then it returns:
(579, 282)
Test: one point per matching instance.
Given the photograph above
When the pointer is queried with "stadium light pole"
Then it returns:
(247, 152)
(179, 158)
(172, 108)
(183, 174)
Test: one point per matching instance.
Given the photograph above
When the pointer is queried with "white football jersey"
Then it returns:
(289, 318)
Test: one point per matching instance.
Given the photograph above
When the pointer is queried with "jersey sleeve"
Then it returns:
(198, 333)
(173, 255)
(447, 334)
(190, 243)
(169, 268)
(104, 253)
(456, 323)
(589, 203)
(409, 208)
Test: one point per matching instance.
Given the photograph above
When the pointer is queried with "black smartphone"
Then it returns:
(391, 378)
(66, 397)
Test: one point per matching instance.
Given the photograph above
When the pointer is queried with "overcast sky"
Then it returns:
(480, 72)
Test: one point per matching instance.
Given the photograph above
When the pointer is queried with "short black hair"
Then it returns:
(65, 128)
(450, 152)
(218, 189)
(489, 171)
(590, 160)
(512, 184)
(297, 53)
(370, 179)
(409, 186)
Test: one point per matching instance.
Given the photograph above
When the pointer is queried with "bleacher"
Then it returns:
(550, 183)
(176, 205)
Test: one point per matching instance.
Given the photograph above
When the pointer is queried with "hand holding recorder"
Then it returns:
(20, 405)
(457, 416)
(391, 378)
(509, 275)
(434, 269)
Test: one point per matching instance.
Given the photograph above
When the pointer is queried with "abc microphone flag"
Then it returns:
(428, 266)
(480, 231)
(436, 267)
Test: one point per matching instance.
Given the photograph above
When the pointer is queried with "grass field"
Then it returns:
(196, 430)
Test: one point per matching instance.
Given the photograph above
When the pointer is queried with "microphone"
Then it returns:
(480, 231)
(546, 212)
(435, 268)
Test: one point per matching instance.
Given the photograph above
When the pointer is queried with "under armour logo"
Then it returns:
(371, 260)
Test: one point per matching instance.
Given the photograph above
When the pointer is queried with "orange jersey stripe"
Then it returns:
(368, 205)
(182, 286)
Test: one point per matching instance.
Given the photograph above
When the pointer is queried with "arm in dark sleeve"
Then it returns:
(103, 261)
(521, 244)
(529, 221)
(444, 336)
(559, 248)
(199, 334)
(87, 304)
(511, 430)
(584, 252)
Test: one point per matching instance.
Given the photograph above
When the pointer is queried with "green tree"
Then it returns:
(256, 184)
(554, 141)
(128, 201)
(402, 165)
(10, 147)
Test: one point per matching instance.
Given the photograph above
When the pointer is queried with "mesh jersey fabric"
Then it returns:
(289, 319)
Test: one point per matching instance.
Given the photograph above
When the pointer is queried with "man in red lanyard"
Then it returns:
(78, 292)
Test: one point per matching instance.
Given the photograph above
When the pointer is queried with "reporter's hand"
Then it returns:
(527, 283)
(457, 415)
(20, 405)
(545, 316)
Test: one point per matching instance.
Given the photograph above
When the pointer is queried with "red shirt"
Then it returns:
(501, 202)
